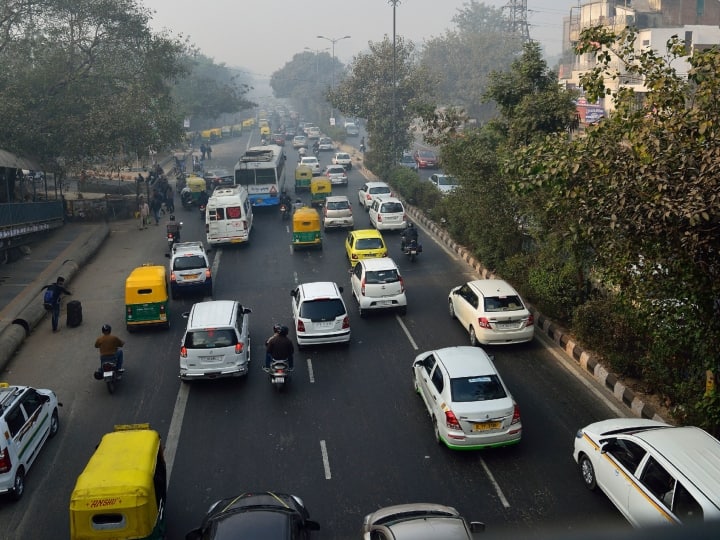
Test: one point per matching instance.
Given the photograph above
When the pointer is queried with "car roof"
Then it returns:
(465, 361)
(336, 198)
(492, 287)
(381, 263)
(366, 233)
(342, 154)
(320, 289)
(385, 199)
(376, 184)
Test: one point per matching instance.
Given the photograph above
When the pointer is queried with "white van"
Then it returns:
(654, 473)
(228, 216)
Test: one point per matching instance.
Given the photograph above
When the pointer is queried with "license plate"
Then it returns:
(107, 374)
(236, 240)
(504, 326)
(212, 358)
(191, 276)
(386, 303)
(279, 380)
(324, 325)
(486, 426)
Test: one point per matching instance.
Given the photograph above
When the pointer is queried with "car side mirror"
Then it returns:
(477, 526)
(186, 315)
(167, 255)
(340, 288)
(246, 310)
(293, 293)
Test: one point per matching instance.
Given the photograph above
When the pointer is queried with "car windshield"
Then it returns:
(503, 303)
(337, 205)
(391, 208)
(336, 170)
(324, 309)
(479, 388)
(407, 159)
(190, 262)
(447, 181)
(379, 277)
(368, 243)
(210, 338)
(426, 154)
(342, 156)
(379, 190)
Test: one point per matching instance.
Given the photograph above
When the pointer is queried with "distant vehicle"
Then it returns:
(444, 183)
(336, 174)
(408, 161)
(344, 159)
(425, 159)
(351, 130)
(325, 143)
(278, 138)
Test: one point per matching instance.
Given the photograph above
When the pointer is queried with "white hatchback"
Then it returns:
(469, 404)
(377, 284)
(313, 163)
(492, 312)
(387, 214)
(319, 314)
(370, 190)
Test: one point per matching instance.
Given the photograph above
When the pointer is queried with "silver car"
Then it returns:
(419, 521)
(337, 213)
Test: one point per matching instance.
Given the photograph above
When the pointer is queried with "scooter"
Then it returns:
(171, 239)
(279, 374)
(108, 372)
(202, 212)
(284, 212)
(411, 248)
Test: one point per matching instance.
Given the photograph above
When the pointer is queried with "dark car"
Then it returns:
(279, 139)
(290, 132)
(426, 159)
(263, 515)
(218, 177)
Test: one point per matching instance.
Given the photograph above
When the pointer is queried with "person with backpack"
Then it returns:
(51, 299)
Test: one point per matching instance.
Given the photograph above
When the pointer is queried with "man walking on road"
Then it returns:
(52, 299)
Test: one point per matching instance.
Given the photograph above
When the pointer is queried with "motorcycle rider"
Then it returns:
(110, 345)
(301, 152)
(316, 148)
(285, 200)
(279, 347)
(173, 227)
(362, 145)
(408, 235)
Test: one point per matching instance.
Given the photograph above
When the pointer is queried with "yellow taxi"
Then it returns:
(364, 244)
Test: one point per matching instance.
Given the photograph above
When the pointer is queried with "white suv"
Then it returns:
(189, 269)
(313, 163)
(28, 418)
(342, 158)
(370, 190)
(319, 314)
(387, 214)
(216, 342)
(377, 284)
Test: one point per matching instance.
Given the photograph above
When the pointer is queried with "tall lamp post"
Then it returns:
(317, 58)
(332, 86)
(394, 82)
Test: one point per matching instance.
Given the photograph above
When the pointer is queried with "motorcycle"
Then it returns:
(171, 240)
(202, 212)
(109, 372)
(362, 148)
(411, 248)
(284, 211)
(279, 373)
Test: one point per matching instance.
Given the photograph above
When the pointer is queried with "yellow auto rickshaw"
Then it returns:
(146, 297)
(191, 194)
(303, 176)
(320, 189)
(121, 492)
(306, 228)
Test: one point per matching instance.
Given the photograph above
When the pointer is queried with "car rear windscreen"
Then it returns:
(189, 263)
(320, 310)
(210, 338)
(480, 388)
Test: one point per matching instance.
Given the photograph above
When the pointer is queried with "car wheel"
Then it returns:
(437, 431)
(361, 311)
(451, 309)
(588, 472)
(473, 337)
(54, 424)
(402, 310)
(16, 492)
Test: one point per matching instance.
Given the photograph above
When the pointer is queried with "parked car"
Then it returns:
(319, 314)
(337, 212)
(492, 312)
(444, 183)
(377, 285)
(387, 214)
(419, 521)
(469, 404)
(654, 473)
(342, 158)
(263, 514)
(364, 244)
(370, 190)
(425, 159)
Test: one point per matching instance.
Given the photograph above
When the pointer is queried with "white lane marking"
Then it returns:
(501, 495)
(326, 461)
(216, 261)
(295, 278)
(310, 370)
(407, 332)
(173, 437)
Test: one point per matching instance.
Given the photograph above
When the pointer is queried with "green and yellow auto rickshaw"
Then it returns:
(320, 189)
(306, 228)
(121, 492)
(147, 297)
(303, 176)
(191, 194)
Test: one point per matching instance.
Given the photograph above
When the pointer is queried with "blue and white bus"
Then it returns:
(261, 170)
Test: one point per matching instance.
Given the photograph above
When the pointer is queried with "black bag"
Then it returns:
(74, 313)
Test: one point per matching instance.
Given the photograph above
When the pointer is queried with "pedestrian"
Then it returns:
(208, 151)
(155, 205)
(169, 199)
(52, 297)
(203, 150)
(144, 213)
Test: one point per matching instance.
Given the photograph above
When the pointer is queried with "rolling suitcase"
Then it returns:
(74, 313)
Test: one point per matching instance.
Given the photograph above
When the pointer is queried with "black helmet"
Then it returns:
(172, 217)
(283, 330)
(277, 328)
(106, 329)
(410, 225)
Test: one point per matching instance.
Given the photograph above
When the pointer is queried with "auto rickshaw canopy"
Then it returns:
(196, 184)
(147, 283)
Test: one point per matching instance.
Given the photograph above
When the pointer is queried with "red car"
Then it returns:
(279, 139)
(425, 159)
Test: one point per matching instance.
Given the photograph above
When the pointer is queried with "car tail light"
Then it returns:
(325, 211)
(484, 323)
(300, 326)
(362, 287)
(379, 216)
(162, 309)
(183, 351)
(516, 415)
(239, 347)
(346, 322)
(530, 320)
(402, 284)
(172, 276)
(245, 226)
(451, 421)
(5, 463)
(208, 273)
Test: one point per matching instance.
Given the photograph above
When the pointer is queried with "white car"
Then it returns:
(370, 190)
(312, 132)
(342, 158)
(336, 174)
(492, 312)
(319, 314)
(325, 143)
(313, 163)
(387, 214)
(469, 405)
(299, 141)
(419, 521)
(377, 285)
(28, 418)
(444, 183)
(654, 473)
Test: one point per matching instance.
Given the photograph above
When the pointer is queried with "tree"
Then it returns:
(367, 92)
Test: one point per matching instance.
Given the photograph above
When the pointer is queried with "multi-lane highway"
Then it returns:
(349, 435)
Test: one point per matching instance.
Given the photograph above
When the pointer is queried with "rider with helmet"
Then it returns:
(285, 199)
(173, 227)
(279, 347)
(110, 346)
(408, 235)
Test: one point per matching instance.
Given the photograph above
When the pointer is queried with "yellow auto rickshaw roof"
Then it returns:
(306, 214)
(123, 464)
(143, 276)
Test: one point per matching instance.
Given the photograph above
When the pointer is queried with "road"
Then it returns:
(349, 435)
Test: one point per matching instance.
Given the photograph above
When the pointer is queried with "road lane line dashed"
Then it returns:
(326, 461)
(173, 437)
(311, 373)
(407, 332)
(216, 262)
(501, 495)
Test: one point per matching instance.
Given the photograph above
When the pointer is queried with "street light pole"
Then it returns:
(333, 41)
(317, 57)
(394, 82)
